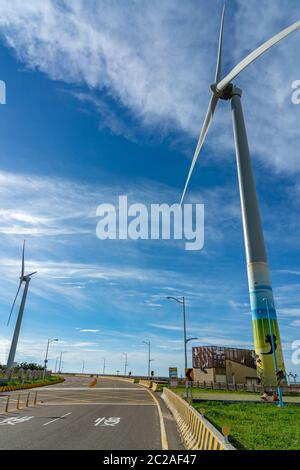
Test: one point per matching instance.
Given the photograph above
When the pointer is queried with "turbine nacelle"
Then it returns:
(225, 94)
(27, 277)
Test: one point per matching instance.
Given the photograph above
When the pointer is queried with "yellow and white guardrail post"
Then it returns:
(197, 432)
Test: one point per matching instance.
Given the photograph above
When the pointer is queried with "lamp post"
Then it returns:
(281, 403)
(56, 362)
(46, 357)
(149, 356)
(60, 361)
(104, 364)
(181, 300)
(126, 364)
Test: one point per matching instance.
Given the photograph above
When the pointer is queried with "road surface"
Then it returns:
(112, 415)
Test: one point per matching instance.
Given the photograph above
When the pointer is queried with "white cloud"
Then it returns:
(166, 327)
(155, 60)
(89, 331)
(289, 312)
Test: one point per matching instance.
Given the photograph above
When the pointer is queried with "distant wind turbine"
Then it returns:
(24, 278)
(261, 294)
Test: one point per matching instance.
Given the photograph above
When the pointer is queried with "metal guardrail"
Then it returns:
(197, 432)
(286, 389)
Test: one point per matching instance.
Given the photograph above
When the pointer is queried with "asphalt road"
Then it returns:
(112, 415)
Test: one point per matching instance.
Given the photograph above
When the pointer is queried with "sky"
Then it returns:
(107, 98)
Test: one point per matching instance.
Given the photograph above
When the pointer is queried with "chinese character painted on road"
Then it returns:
(113, 421)
(13, 421)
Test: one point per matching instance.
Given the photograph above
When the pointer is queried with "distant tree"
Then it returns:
(29, 366)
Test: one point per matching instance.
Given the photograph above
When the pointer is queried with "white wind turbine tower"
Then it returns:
(24, 278)
(270, 364)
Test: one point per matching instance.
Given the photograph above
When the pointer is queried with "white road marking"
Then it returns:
(86, 389)
(15, 420)
(96, 403)
(163, 434)
(53, 420)
(112, 421)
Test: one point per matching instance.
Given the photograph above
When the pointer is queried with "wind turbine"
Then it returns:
(24, 278)
(260, 287)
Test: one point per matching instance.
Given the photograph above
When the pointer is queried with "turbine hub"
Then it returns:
(226, 94)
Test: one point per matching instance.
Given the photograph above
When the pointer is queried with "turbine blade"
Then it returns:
(31, 274)
(11, 311)
(218, 76)
(207, 122)
(23, 260)
(255, 54)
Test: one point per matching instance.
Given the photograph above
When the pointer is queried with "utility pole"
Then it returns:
(83, 365)
(104, 364)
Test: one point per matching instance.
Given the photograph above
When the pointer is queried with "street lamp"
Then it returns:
(149, 356)
(181, 300)
(126, 364)
(46, 357)
(281, 403)
(56, 362)
(60, 361)
(104, 364)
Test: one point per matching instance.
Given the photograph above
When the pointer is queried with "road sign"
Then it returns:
(173, 372)
(189, 375)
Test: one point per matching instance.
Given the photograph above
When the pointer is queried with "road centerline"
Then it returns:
(57, 419)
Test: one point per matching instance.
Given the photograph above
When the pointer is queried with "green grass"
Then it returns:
(181, 391)
(160, 387)
(256, 426)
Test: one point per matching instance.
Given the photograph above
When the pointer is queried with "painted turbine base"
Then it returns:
(264, 314)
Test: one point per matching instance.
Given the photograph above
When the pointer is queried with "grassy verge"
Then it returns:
(256, 426)
(181, 391)
(160, 387)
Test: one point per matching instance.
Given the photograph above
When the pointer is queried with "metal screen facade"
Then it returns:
(208, 357)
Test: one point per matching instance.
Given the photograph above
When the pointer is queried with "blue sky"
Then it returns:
(106, 99)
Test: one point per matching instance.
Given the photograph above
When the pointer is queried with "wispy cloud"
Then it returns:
(160, 68)
(88, 331)
(166, 327)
